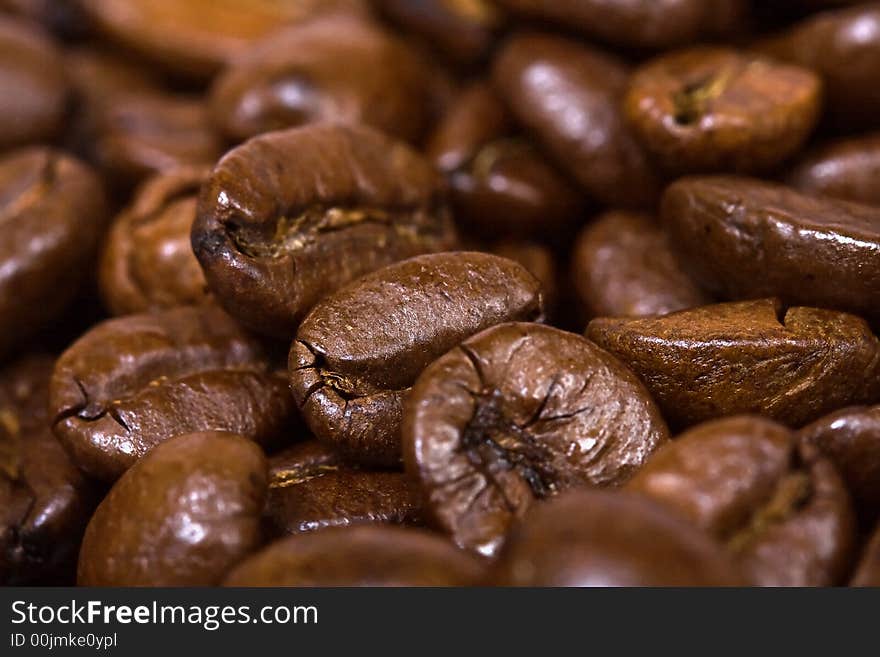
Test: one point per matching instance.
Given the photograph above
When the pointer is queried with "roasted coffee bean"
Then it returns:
(868, 572)
(133, 382)
(567, 95)
(623, 265)
(45, 501)
(656, 24)
(33, 89)
(182, 516)
(311, 488)
(359, 351)
(148, 263)
(461, 29)
(291, 216)
(500, 183)
(360, 556)
(843, 46)
(195, 37)
(782, 512)
(603, 538)
(143, 133)
(850, 438)
(522, 412)
(847, 169)
(792, 365)
(338, 68)
(52, 216)
(744, 238)
(539, 262)
(716, 109)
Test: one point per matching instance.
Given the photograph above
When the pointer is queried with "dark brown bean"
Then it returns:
(131, 383)
(743, 238)
(716, 109)
(360, 556)
(339, 68)
(868, 571)
(522, 412)
(847, 169)
(539, 261)
(783, 512)
(289, 217)
(748, 357)
(567, 96)
(182, 516)
(623, 265)
(53, 217)
(45, 501)
(359, 351)
(148, 263)
(602, 538)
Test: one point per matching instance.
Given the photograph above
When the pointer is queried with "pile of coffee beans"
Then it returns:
(439, 292)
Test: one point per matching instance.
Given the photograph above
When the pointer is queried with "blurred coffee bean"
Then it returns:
(847, 169)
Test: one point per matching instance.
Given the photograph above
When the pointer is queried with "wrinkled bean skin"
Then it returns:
(742, 238)
(843, 46)
(141, 134)
(516, 413)
(334, 69)
(499, 182)
(182, 516)
(747, 357)
(624, 265)
(52, 214)
(715, 109)
(601, 538)
(567, 96)
(847, 169)
(656, 24)
(276, 233)
(45, 501)
(463, 30)
(359, 556)
(783, 513)
(33, 90)
(147, 262)
(195, 37)
(850, 438)
(132, 382)
(359, 351)
(868, 572)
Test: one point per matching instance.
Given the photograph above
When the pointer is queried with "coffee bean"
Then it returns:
(33, 90)
(623, 265)
(52, 213)
(338, 68)
(195, 37)
(291, 216)
(790, 365)
(657, 24)
(850, 438)
(359, 351)
(843, 46)
(521, 412)
(133, 382)
(744, 238)
(463, 30)
(602, 538)
(539, 261)
(715, 109)
(567, 94)
(45, 502)
(845, 169)
(148, 263)
(182, 516)
(499, 182)
(868, 571)
(783, 512)
(359, 556)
